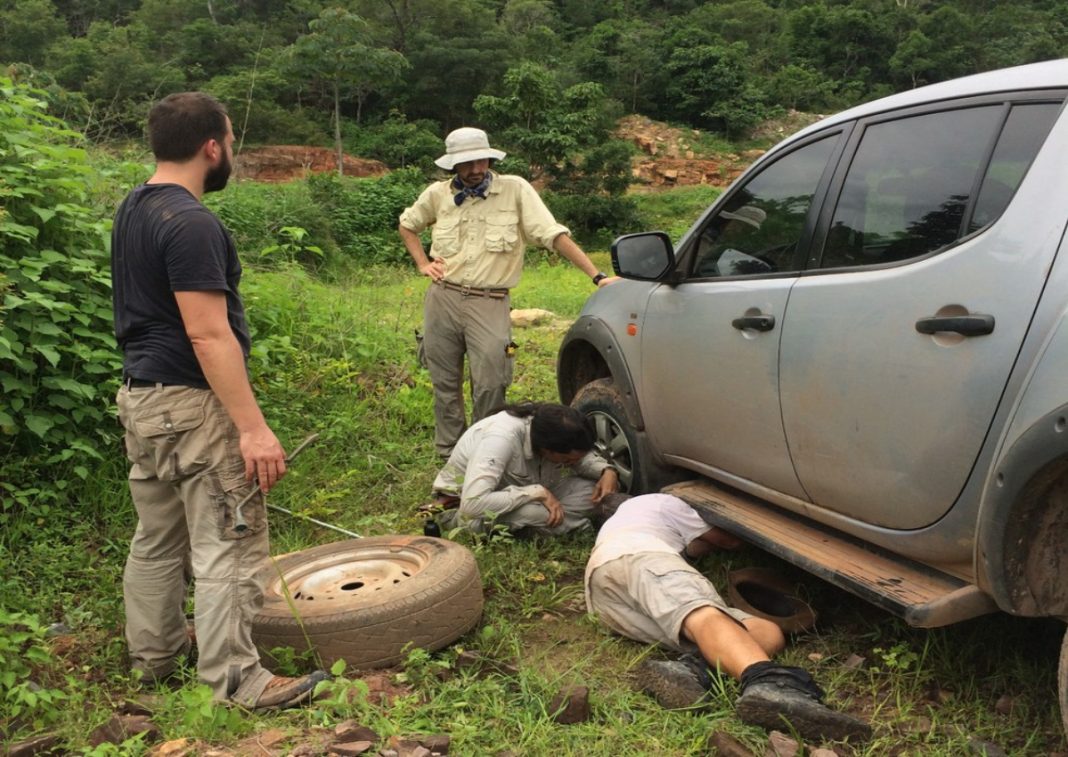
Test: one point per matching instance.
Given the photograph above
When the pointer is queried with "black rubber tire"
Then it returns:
(1062, 683)
(369, 601)
(617, 441)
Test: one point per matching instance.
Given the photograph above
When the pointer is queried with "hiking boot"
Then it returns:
(778, 697)
(282, 692)
(676, 684)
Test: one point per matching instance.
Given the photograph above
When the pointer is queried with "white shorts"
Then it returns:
(647, 596)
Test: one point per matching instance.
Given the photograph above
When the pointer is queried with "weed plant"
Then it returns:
(336, 355)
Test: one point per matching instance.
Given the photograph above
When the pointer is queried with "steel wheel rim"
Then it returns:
(612, 444)
(337, 578)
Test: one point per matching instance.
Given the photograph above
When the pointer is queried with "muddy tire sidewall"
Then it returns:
(369, 601)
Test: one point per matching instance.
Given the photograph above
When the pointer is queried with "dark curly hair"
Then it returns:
(180, 123)
(556, 428)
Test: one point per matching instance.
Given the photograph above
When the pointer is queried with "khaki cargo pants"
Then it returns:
(186, 479)
(454, 324)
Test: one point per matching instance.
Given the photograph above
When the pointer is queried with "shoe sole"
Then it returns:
(813, 722)
(673, 692)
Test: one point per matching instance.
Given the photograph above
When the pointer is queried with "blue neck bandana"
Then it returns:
(465, 192)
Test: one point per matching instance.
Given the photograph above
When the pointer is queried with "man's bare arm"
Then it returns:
(435, 269)
(219, 354)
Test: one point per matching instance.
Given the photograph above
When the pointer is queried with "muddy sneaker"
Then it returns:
(777, 697)
(676, 684)
(282, 692)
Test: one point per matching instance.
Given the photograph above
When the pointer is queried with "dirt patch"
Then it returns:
(670, 156)
(278, 163)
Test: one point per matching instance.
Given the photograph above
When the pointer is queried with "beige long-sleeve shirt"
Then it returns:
(482, 241)
(494, 468)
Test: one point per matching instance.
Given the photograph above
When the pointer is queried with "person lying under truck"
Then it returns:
(529, 466)
(640, 584)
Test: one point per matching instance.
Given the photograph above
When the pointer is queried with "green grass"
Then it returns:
(338, 359)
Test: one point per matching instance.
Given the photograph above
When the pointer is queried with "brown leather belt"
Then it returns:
(466, 291)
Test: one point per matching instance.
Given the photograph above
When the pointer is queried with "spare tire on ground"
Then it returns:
(369, 601)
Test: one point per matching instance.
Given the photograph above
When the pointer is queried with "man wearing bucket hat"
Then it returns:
(639, 585)
(482, 223)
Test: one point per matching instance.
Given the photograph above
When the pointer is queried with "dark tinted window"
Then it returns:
(908, 186)
(1024, 132)
(757, 231)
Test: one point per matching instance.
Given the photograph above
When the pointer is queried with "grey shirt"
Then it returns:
(494, 468)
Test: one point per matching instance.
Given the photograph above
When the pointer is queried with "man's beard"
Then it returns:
(217, 176)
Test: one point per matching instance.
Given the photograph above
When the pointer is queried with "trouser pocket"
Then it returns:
(420, 349)
(241, 509)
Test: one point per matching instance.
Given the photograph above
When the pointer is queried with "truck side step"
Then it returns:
(923, 596)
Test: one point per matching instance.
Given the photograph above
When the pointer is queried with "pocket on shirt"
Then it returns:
(445, 237)
(502, 231)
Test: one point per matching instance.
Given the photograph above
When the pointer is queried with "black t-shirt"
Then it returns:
(164, 241)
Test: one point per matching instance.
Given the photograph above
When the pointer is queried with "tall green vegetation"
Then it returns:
(58, 364)
(315, 69)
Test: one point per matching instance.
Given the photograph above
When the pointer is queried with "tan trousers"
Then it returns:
(186, 480)
(455, 324)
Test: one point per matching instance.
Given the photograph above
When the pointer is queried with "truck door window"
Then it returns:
(758, 229)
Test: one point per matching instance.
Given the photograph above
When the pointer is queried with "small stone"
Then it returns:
(123, 727)
(853, 662)
(937, 694)
(781, 745)
(525, 317)
(439, 743)
(271, 737)
(918, 724)
(305, 750)
(350, 730)
(351, 748)
(1004, 705)
(43, 744)
(985, 748)
(815, 657)
(408, 747)
(724, 745)
(571, 705)
(175, 748)
(388, 753)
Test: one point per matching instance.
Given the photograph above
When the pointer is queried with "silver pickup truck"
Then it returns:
(861, 351)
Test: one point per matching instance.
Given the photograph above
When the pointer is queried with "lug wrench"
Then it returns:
(241, 525)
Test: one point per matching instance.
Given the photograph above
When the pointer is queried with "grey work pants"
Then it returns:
(455, 324)
(186, 480)
(574, 493)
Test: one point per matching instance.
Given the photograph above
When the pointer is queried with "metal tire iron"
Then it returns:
(241, 525)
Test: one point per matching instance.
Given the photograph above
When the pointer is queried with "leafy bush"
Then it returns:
(363, 212)
(595, 220)
(399, 143)
(257, 216)
(26, 703)
(59, 367)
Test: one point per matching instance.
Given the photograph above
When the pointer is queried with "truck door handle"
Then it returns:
(756, 322)
(965, 325)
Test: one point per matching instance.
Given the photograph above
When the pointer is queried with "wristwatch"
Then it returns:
(601, 276)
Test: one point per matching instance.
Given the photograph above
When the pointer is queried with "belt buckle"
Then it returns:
(465, 290)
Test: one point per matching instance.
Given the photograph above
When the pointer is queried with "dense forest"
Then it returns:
(313, 72)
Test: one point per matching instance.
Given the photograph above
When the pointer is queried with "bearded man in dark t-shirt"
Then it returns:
(195, 435)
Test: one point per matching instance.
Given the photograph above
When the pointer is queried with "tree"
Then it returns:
(708, 84)
(338, 51)
(27, 29)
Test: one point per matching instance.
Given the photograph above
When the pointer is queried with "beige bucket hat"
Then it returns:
(749, 214)
(464, 144)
